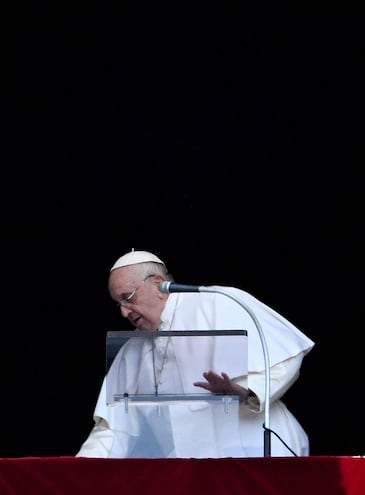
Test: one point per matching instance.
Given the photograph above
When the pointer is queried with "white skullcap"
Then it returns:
(135, 257)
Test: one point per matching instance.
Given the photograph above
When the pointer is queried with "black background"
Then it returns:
(226, 140)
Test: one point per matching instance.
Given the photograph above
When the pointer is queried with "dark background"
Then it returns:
(229, 141)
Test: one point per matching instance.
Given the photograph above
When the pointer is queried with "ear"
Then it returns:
(157, 280)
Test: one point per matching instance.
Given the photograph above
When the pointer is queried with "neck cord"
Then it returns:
(155, 375)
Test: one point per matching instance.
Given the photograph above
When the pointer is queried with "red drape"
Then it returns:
(261, 476)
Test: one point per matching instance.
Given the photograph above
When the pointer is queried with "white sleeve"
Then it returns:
(282, 377)
(99, 442)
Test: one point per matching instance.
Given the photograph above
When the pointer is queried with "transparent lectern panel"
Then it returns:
(160, 368)
(152, 374)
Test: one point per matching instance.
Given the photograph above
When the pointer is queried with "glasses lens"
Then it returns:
(131, 298)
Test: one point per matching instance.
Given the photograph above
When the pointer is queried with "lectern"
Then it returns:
(178, 419)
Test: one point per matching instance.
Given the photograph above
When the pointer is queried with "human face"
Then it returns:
(138, 298)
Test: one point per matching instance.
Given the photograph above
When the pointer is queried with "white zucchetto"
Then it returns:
(135, 257)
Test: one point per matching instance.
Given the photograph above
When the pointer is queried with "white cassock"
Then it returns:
(202, 430)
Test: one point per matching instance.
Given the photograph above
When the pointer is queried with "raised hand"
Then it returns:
(221, 384)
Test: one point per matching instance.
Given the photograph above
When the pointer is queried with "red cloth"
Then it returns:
(261, 476)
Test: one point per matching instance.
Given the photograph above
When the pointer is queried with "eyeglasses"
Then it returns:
(130, 299)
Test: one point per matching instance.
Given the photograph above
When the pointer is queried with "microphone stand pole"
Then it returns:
(267, 432)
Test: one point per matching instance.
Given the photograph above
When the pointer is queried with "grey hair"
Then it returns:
(152, 268)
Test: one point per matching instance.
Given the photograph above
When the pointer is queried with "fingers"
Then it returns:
(204, 385)
(215, 382)
(211, 376)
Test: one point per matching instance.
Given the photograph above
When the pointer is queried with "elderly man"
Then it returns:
(174, 366)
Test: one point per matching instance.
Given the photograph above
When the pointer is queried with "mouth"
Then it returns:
(136, 320)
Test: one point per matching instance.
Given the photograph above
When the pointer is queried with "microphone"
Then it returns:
(169, 287)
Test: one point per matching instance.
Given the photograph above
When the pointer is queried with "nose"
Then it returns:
(125, 311)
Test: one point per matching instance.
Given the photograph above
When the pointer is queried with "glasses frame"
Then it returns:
(127, 301)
